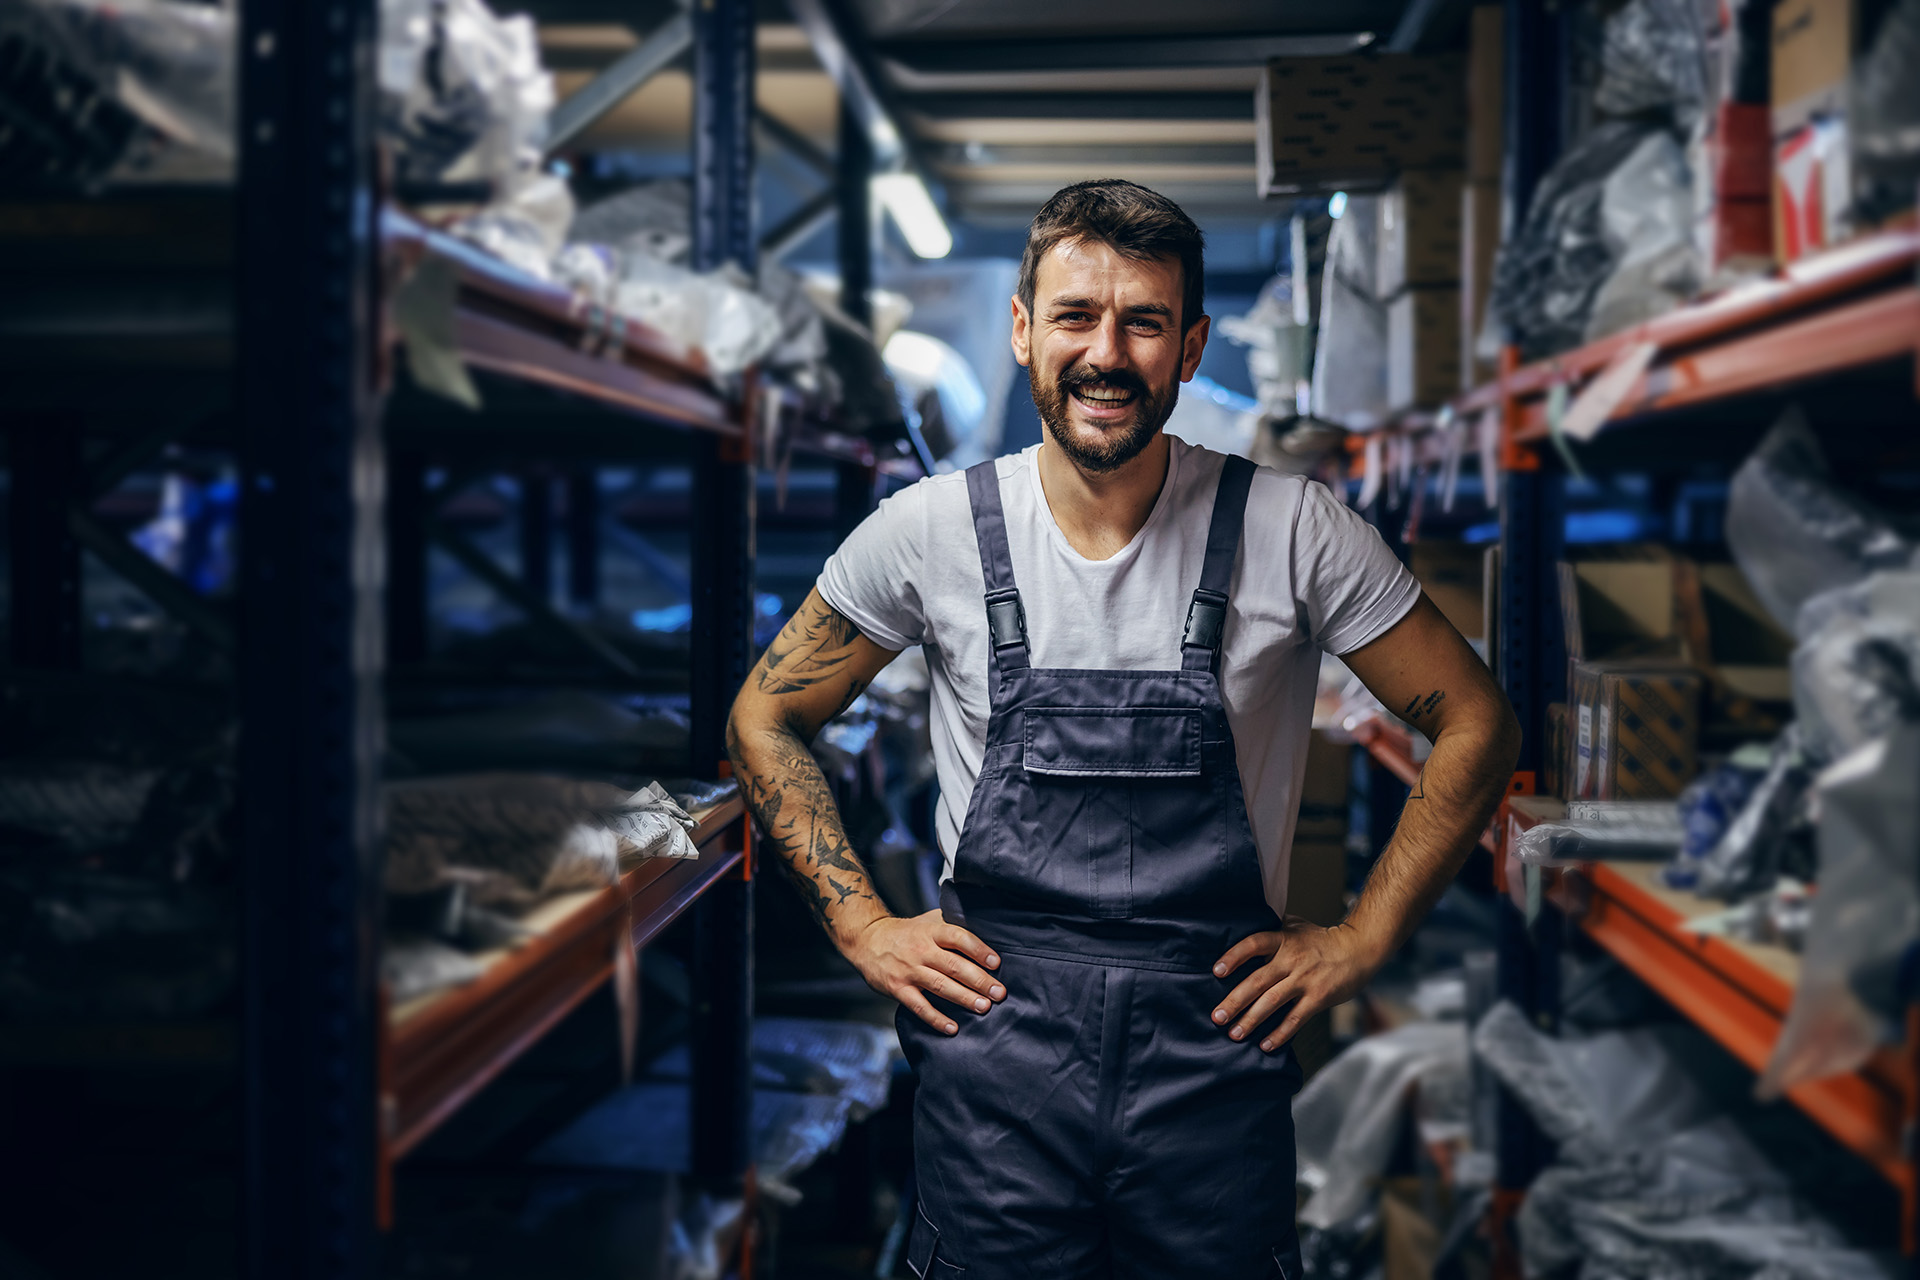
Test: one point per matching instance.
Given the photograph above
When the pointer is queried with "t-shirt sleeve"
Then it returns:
(1350, 585)
(873, 579)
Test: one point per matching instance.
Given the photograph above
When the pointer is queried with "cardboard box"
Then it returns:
(1452, 574)
(1636, 729)
(1486, 92)
(1732, 162)
(1556, 759)
(1419, 234)
(1480, 213)
(1746, 649)
(1423, 347)
(1619, 609)
(1353, 122)
(1811, 56)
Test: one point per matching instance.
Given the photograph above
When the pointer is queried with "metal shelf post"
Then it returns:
(311, 638)
(723, 541)
(46, 469)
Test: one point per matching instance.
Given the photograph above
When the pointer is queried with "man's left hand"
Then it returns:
(1308, 966)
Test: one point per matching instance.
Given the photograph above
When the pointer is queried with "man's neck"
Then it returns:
(1101, 511)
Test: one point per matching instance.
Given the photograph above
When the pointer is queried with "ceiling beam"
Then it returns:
(1232, 104)
(1109, 53)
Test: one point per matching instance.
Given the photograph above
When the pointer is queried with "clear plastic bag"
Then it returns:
(463, 94)
(1883, 117)
(1856, 671)
(1347, 1119)
(1794, 532)
(1646, 218)
(1547, 275)
(1649, 1179)
(1771, 835)
(527, 226)
(1865, 933)
(171, 65)
(1655, 58)
(1350, 353)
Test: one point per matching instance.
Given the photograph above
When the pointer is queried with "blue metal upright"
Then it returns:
(1531, 653)
(311, 638)
(723, 551)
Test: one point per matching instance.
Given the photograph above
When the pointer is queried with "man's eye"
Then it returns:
(1147, 326)
(1071, 316)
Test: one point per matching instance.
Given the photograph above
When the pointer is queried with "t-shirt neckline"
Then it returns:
(1132, 549)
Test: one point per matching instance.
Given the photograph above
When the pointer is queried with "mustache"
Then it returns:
(1122, 379)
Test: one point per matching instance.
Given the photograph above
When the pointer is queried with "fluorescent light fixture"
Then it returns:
(1337, 205)
(904, 196)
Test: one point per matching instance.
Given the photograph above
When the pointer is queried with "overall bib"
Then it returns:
(1097, 1123)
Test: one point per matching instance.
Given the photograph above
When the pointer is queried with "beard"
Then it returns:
(1101, 449)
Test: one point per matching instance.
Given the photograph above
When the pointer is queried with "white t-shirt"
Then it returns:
(1311, 575)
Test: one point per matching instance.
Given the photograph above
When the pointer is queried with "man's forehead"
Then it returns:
(1078, 261)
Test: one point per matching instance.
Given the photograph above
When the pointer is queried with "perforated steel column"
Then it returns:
(723, 549)
(311, 639)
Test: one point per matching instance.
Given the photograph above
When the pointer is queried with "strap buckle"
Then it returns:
(1206, 619)
(1006, 620)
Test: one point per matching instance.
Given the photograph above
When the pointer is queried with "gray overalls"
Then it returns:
(1097, 1123)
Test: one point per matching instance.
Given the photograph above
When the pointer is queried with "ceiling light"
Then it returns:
(1337, 205)
(904, 196)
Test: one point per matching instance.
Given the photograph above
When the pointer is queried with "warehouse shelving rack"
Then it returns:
(281, 351)
(1850, 313)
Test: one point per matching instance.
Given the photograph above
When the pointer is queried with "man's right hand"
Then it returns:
(910, 959)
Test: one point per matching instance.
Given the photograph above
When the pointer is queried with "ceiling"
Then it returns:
(1005, 101)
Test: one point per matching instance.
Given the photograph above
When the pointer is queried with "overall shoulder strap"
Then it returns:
(1207, 614)
(1006, 620)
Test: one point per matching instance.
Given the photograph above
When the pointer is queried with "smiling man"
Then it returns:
(1123, 633)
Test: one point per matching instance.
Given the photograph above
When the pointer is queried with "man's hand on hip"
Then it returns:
(1308, 966)
(910, 959)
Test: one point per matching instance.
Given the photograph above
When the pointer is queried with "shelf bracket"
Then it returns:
(537, 610)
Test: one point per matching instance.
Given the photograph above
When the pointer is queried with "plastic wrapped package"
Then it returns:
(1601, 829)
(1863, 942)
(1883, 117)
(1773, 832)
(710, 312)
(1656, 56)
(169, 64)
(1350, 353)
(1708, 806)
(1548, 273)
(1347, 1119)
(654, 218)
(513, 839)
(1649, 1180)
(527, 226)
(1856, 671)
(1276, 347)
(463, 95)
(1646, 218)
(76, 806)
(1794, 532)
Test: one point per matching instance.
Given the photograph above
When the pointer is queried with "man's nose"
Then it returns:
(1104, 351)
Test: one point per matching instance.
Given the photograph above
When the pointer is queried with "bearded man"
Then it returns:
(1123, 633)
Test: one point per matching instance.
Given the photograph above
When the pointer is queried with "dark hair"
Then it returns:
(1137, 222)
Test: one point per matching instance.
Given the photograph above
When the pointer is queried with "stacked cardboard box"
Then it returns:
(1418, 275)
(1661, 653)
(1352, 122)
(1813, 44)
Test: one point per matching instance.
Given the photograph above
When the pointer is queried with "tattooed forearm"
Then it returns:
(1421, 707)
(794, 809)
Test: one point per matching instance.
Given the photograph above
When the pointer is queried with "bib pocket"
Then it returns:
(1122, 742)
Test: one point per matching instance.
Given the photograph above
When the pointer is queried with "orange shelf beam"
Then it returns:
(434, 1062)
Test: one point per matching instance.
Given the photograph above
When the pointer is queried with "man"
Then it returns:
(1123, 633)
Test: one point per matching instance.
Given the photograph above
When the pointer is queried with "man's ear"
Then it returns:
(1193, 345)
(1023, 334)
